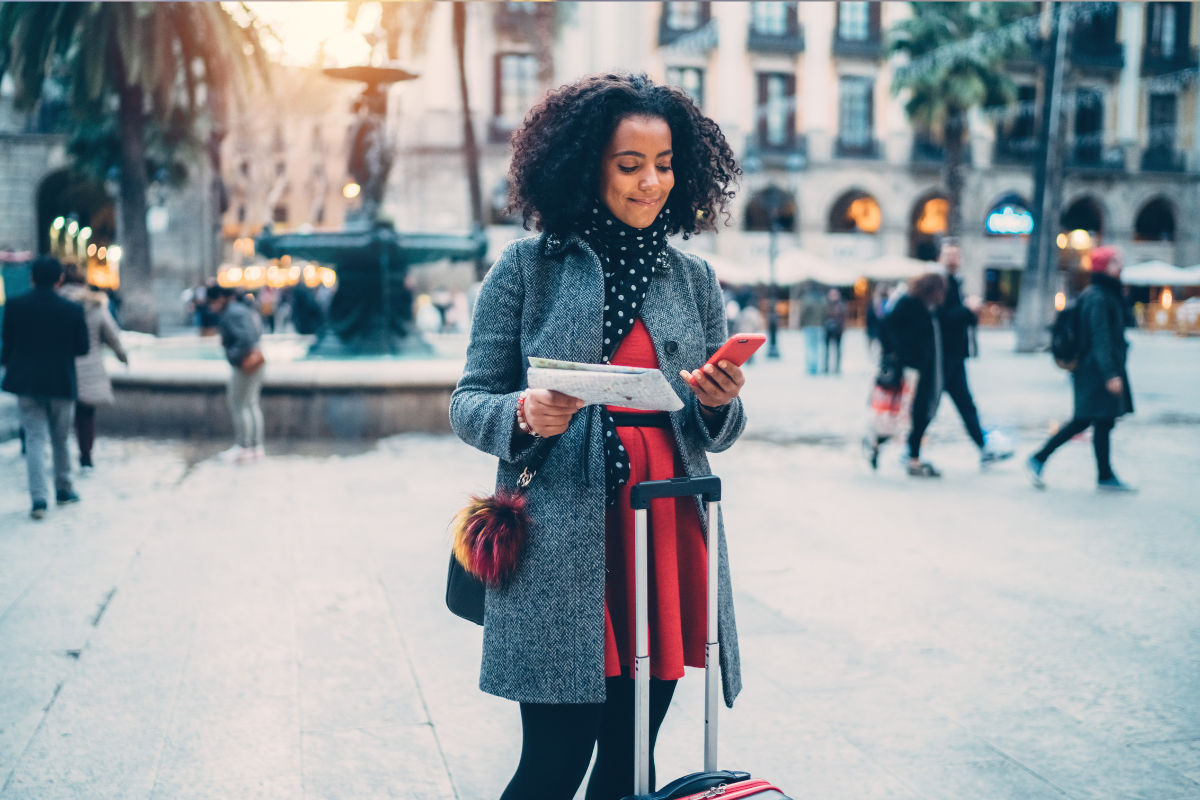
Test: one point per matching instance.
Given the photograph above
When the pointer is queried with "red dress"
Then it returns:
(677, 556)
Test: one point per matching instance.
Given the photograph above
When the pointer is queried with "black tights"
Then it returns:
(1101, 428)
(85, 431)
(557, 743)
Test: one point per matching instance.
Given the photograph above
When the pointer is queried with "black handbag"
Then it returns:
(891, 373)
(466, 593)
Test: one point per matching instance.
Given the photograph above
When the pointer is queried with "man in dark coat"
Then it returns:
(911, 333)
(957, 321)
(1102, 390)
(43, 334)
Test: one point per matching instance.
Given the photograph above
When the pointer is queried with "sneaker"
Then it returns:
(231, 455)
(64, 496)
(989, 457)
(39, 509)
(248, 455)
(1114, 484)
(923, 470)
(1033, 469)
(86, 470)
(870, 450)
(260, 452)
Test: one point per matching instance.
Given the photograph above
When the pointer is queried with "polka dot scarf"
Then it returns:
(629, 256)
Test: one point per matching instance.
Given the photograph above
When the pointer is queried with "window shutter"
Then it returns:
(790, 91)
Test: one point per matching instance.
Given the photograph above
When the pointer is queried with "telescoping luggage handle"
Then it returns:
(640, 495)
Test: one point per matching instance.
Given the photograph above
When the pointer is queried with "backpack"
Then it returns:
(1064, 338)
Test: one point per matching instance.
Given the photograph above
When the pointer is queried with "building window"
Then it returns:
(683, 16)
(855, 113)
(769, 19)
(776, 110)
(241, 214)
(1155, 223)
(691, 80)
(855, 212)
(244, 169)
(1163, 30)
(854, 22)
(280, 214)
(516, 87)
(1160, 155)
(1089, 126)
(1162, 121)
(771, 209)
(1168, 47)
(1016, 138)
(321, 215)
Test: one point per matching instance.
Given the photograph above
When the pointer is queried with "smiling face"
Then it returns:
(635, 170)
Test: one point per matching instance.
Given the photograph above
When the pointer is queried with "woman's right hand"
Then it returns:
(549, 412)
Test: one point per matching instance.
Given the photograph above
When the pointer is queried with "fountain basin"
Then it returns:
(176, 388)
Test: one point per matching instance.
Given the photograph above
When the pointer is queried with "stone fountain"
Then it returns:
(372, 311)
(355, 381)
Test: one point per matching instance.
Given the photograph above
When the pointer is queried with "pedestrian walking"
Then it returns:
(912, 334)
(241, 330)
(874, 317)
(93, 386)
(1101, 383)
(42, 336)
(606, 168)
(813, 311)
(957, 324)
(835, 326)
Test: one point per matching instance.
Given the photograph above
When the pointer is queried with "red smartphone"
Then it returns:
(738, 348)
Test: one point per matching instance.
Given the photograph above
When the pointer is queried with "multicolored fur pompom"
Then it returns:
(489, 535)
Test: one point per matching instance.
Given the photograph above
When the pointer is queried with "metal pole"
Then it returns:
(1032, 333)
(773, 313)
(712, 647)
(641, 661)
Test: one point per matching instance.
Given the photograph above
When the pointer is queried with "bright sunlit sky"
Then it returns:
(304, 27)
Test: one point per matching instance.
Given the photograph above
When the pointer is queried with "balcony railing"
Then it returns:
(927, 151)
(1157, 64)
(1099, 56)
(1163, 159)
(871, 149)
(793, 157)
(790, 42)
(857, 48)
(1087, 158)
(1015, 151)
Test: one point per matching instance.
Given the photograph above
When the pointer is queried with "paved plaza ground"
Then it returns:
(194, 630)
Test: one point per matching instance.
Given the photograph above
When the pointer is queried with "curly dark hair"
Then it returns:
(554, 172)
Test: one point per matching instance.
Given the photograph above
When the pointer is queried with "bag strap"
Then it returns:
(536, 459)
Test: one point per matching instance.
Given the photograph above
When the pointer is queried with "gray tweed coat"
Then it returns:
(543, 636)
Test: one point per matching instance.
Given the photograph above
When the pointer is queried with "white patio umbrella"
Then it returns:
(736, 272)
(797, 266)
(1159, 273)
(891, 268)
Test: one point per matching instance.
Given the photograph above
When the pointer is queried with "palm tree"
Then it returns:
(946, 82)
(156, 56)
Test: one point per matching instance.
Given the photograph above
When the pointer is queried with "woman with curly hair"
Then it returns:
(606, 169)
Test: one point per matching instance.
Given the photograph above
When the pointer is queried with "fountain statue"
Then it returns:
(372, 310)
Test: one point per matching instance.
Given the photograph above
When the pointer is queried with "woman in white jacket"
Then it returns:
(93, 385)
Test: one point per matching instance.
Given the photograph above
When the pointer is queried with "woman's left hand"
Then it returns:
(715, 385)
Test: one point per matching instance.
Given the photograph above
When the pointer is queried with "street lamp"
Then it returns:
(774, 201)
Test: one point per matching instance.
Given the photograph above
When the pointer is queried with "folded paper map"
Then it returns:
(605, 384)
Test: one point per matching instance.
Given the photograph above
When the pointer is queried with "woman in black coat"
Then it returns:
(1102, 390)
(912, 334)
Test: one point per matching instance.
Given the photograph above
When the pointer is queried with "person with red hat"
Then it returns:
(1102, 390)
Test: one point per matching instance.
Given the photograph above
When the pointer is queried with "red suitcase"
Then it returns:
(710, 783)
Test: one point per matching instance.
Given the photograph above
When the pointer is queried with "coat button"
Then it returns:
(672, 348)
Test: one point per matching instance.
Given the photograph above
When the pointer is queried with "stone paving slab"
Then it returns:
(192, 630)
